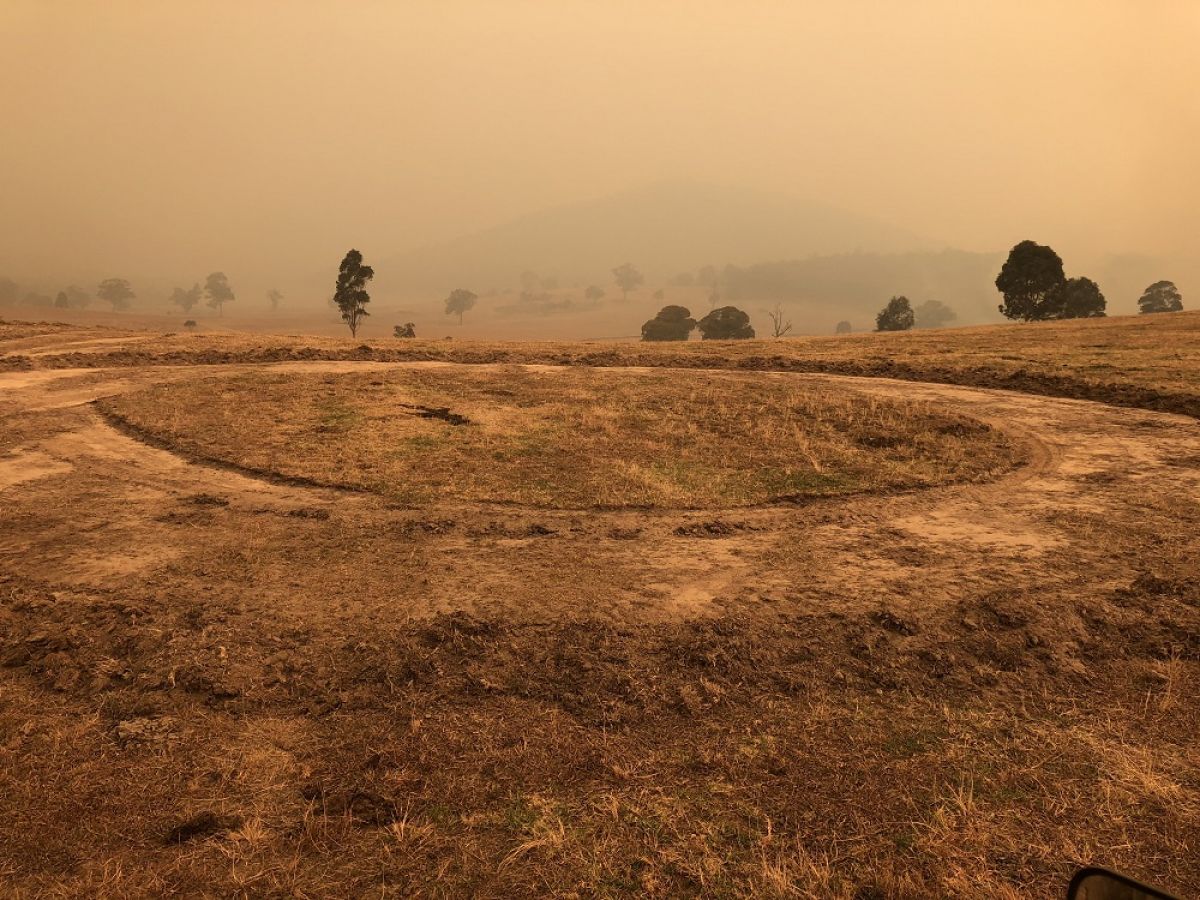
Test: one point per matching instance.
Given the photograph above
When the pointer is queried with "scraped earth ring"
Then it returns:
(1039, 454)
(687, 563)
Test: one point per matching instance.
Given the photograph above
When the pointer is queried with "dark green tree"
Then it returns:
(218, 291)
(1075, 298)
(1162, 296)
(116, 291)
(407, 330)
(673, 323)
(1029, 276)
(725, 323)
(896, 316)
(459, 302)
(843, 327)
(350, 293)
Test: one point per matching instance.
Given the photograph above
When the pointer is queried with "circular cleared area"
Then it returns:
(567, 438)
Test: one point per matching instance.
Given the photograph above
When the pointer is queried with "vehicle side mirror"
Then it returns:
(1094, 883)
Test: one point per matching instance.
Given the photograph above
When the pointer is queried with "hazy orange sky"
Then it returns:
(177, 137)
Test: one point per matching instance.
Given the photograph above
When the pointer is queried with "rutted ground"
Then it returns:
(912, 695)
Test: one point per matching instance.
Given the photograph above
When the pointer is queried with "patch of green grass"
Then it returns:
(518, 815)
(907, 744)
(338, 416)
(418, 443)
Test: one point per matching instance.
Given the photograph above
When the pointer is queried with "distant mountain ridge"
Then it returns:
(663, 228)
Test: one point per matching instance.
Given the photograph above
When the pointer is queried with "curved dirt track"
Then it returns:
(1093, 468)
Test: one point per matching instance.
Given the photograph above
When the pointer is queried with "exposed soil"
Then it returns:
(214, 683)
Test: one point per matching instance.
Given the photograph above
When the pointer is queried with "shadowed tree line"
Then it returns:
(1036, 288)
(1032, 282)
(675, 323)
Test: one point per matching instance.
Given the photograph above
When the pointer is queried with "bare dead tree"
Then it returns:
(779, 326)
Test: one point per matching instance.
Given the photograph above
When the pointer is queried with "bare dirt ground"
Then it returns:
(217, 683)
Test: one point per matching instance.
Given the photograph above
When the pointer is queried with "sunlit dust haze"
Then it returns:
(461, 144)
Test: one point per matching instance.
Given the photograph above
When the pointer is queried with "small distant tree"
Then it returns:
(115, 291)
(190, 324)
(725, 323)
(1075, 298)
(779, 326)
(9, 291)
(350, 292)
(673, 323)
(77, 297)
(218, 291)
(594, 292)
(62, 301)
(1029, 276)
(274, 296)
(731, 281)
(934, 314)
(459, 302)
(896, 316)
(407, 330)
(186, 299)
(843, 327)
(628, 278)
(1160, 297)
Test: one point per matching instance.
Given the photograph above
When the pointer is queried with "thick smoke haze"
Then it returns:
(160, 141)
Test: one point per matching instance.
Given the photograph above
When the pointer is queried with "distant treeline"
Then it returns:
(861, 279)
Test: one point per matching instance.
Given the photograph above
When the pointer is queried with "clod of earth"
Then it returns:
(201, 825)
(437, 412)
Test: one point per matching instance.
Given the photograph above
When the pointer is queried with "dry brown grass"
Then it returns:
(820, 791)
(210, 688)
(568, 438)
(1147, 361)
